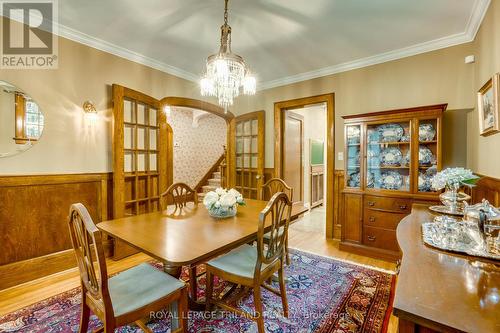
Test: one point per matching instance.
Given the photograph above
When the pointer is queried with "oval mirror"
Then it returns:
(21, 120)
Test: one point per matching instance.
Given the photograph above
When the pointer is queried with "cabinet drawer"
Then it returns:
(390, 204)
(380, 219)
(381, 238)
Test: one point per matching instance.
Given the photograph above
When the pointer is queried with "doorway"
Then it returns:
(304, 156)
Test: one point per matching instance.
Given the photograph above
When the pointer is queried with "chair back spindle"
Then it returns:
(275, 185)
(278, 212)
(179, 195)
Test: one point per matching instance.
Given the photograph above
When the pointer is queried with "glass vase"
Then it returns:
(222, 213)
(453, 199)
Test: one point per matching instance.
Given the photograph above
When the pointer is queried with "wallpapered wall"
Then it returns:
(196, 149)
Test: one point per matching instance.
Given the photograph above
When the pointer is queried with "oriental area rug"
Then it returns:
(324, 295)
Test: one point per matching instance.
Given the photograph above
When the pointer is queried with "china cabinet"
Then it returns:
(390, 158)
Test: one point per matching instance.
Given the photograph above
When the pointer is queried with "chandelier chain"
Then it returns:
(225, 12)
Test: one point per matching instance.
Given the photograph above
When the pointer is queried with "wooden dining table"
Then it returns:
(189, 240)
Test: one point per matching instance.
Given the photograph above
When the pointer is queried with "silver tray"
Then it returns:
(446, 210)
(456, 236)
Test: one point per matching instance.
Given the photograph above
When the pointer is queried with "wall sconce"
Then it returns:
(90, 111)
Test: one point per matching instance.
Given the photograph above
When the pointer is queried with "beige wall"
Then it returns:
(68, 145)
(430, 78)
(484, 152)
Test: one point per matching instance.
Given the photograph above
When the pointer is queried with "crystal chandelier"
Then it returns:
(226, 72)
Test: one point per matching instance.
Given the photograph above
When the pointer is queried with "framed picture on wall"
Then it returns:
(488, 106)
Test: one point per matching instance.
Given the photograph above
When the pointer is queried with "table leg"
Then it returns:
(175, 271)
(193, 304)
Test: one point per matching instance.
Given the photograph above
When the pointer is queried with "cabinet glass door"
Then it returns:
(388, 156)
(353, 152)
(427, 153)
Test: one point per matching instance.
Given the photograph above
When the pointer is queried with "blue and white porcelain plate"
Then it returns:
(390, 132)
(391, 180)
(425, 156)
(424, 182)
(391, 156)
(426, 132)
(354, 179)
(370, 180)
(405, 138)
(353, 134)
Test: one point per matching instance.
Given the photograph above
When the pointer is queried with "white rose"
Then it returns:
(227, 200)
(220, 191)
(234, 193)
(210, 199)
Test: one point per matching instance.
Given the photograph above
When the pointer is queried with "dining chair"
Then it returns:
(272, 186)
(179, 195)
(127, 297)
(252, 266)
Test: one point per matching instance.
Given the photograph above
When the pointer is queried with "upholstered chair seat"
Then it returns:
(139, 286)
(240, 262)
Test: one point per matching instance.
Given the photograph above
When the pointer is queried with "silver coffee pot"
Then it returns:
(487, 219)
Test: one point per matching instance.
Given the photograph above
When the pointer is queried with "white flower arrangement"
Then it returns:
(453, 178)
(223, 202)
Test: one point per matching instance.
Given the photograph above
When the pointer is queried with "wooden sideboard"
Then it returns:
(440, 291)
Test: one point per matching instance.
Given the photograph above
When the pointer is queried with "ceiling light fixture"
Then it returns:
(227, 72)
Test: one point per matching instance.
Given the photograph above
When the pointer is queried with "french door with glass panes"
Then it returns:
(139, 156)
(249, 151)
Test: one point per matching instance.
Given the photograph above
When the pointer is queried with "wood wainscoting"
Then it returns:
(34, 234)
(487, 188)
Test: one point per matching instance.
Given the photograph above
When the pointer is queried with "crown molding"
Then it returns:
(102, 45)
(480, 8)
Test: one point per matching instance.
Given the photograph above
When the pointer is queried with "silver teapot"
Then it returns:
(487, 218)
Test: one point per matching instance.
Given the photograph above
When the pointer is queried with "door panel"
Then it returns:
(293, 169)
(249, 154)
(139, 157)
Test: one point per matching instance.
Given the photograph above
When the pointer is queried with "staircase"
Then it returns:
(211, 184)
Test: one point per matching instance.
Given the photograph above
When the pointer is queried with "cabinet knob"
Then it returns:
(372, 219)
(371, 203)
(372, 238)
(403, 207)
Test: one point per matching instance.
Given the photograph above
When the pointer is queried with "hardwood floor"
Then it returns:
(304, 235)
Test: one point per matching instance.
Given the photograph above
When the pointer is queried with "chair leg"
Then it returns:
(259, 313)
(84, 316)
(109, 328)
(183, 311)
(209, 291)
(287, 253)
(284, 300)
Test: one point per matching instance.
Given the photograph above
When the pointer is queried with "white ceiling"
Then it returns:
(283, 41)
